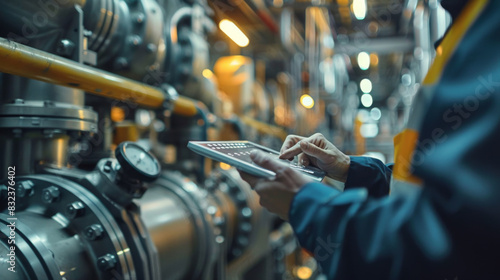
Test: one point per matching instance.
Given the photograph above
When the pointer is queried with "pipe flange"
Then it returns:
(81, 212)
(47, 115)
(244, 229)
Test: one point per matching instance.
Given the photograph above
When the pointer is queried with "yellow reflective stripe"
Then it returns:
(453, 38)
(404, 146)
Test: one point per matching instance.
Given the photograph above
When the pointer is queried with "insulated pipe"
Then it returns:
(17, 59)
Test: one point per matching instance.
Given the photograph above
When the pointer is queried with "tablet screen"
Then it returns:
(237, 153)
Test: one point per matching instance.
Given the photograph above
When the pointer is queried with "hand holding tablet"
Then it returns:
(237, 154)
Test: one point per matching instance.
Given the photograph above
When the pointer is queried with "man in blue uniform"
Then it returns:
(442, 218)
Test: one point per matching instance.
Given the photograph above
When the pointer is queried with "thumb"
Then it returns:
(313, 150)
(264, 160)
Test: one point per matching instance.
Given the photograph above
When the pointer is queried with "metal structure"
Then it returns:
(79, 211)
(79, 77)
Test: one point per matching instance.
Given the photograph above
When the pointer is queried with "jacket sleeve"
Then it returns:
(449, 228)
(369, 173)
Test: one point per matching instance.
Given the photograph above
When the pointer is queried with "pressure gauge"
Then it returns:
(136, 162)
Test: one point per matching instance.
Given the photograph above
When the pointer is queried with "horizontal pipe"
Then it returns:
(264, 128)
(20, 60)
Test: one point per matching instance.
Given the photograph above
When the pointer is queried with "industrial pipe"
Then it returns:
(17, 59)
(264, 127)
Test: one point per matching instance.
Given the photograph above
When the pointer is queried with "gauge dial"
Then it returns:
(137, 162)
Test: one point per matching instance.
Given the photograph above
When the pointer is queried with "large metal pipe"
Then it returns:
(17, 59)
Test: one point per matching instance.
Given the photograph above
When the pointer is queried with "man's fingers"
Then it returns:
(303, 159)
(250, 179)
(290, 141)
(312, 150)
(264, 160)
(291, 152)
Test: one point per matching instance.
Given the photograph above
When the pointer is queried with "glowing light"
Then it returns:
(363, 115)
(234, 33)
(225, 166)
(365, 85)
(367, 100)
(117, 114)
(304, 272)
(307, 101)
(363, 60)
(369, 130)
(439, 50)
(375, 113)
(359, 9)
(374, 59)
(207, 73)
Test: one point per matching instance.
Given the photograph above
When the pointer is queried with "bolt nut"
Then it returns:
(242, 241)
(25, 188)
(210, 184)
(94, 232)
(246, 227)
(50, 194)
(87, 33)
(75, 209)
(218, 221)
(106, 262)
(134, 40)
(151, 48)
(139, 18)
(246, 212)
(120, 63)
(241, 197)
(107, 167)
(65, 47)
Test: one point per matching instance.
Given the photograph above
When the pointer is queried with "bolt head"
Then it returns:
(106, 168)
(134, 40)
(120, 63)
(50, 194)
(25, 189)
(65, 47)
(94, 232)
(151, 48)
(106, 262)
(139, 18)
(75, 209)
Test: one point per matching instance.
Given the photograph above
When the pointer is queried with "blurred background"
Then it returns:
(99, 98)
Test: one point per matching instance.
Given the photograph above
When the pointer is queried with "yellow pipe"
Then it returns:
(184, 106)
(265, 128)
(20, 60)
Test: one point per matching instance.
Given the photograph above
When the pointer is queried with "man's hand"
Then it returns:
(319, 152)
(275, 195)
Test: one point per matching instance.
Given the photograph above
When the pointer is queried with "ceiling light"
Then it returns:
(307, 101)
(375, 113)
(233, 32)
(365, 85)
(363, 60)
(366, 100)
(359, 9)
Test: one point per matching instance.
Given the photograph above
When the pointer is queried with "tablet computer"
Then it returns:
(237, 154)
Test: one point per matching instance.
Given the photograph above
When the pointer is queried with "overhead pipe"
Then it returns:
(21, 60)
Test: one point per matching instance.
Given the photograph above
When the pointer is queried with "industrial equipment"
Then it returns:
(99, 99)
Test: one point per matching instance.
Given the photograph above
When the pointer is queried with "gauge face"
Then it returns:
(141, 160)
(136, 162)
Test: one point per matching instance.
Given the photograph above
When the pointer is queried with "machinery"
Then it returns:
(75, 202)
(98, 99)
